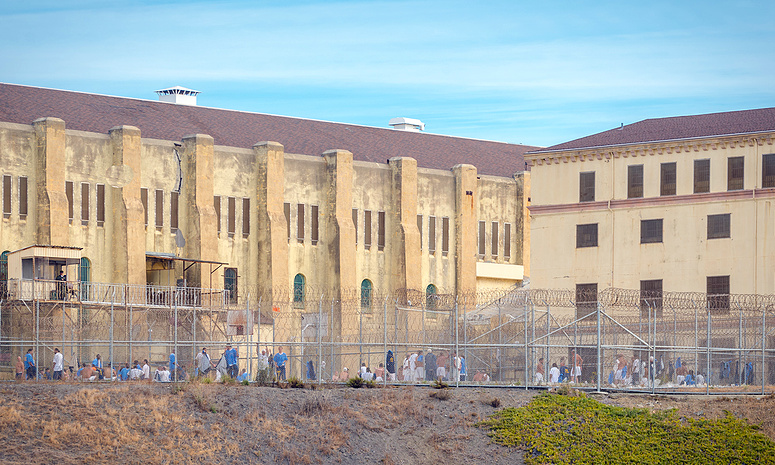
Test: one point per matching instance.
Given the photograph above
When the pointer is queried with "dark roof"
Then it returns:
(677, 128)
(161, 120)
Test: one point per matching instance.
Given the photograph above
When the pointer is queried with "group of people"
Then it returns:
(419, 366)
(562, 373)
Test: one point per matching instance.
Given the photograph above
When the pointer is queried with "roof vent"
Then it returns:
(407, 124)
(178, 94)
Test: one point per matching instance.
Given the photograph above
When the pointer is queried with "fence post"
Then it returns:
(599, 361)
(320, 339)
(524, 318)
(457, 348)
(707, 363)
(384, 341)
(500, 342)
(331, 333)
(37, 337)
(112, 303)
(465, 333)
(764, 332)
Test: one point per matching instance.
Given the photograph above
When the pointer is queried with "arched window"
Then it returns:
(366, 296)
(430, 296)
(299, 291)
(4, 274)
(85, 273)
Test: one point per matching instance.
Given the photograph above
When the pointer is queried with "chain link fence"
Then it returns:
(613, 339)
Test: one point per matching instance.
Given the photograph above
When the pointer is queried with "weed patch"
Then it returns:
(568, 429)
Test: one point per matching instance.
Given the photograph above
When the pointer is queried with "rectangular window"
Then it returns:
(482, 239)
(735, 173)
(100, 204)
(159, 209)
(507, 241)
(6, 196)
(300, 222)
(217, 206)
(586, 299)
(287, 211)
(69, 188)
(444, 236)
(587, 187)
(768, 170)
(355, 223)
(245, 217)
(701, 176)
(431, 235)
(231, 216)
(634, 181)
(23, 197)
(367, 229)
(174, 197)
(144, 201)
(419, 227)
(380, 230)
(494, 240)
(85, 203)
(315, 228)
(718, 226)
(718, 294)
(230, 284)
(586, 235)
(650, 231)
(651, 298)
(667, 179)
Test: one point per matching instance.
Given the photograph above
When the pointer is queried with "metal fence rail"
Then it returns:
(718, 343)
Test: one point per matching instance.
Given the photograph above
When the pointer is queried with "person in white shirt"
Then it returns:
(135, 373)
(146, 370)
(162, 375)
(58, 365)
(554, 374)
(412, 367)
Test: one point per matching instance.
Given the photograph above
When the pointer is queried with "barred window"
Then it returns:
(159, 209)
(22, 197)
(355, 223)
(634, 181)
(650, 231)
(432, 235)
(380, 230)
(6, 196)
(217, 206)
(314, 234)
(768, 170)
(735, 173)
(367, 229)
(444, 236)
(494, 240)
(143, 200)
(586, 299)
(245, 217)
(718, 226)
(85, 189)
(69, 193)
(300, 222)
(667, 184)
(507, 241)
(701, 176)
(651, 298)
(718, 294)
(482, 238)
(587, 187)
(419, 227)
(174, 198)
(287, 212)
(586, 235)
(231, 216)
(100, 204)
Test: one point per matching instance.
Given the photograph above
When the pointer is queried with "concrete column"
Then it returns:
(339, 235)
(128, 252)
(52, 208)
(466, 214)
(522, 227)
(196, 210)
(406, 250)
(273, 278)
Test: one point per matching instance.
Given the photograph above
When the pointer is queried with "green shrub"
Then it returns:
(264, 377)
(441, 394)
(561, 429)
(295, 382)
(439, 383)
(245, 382)
(356, 382)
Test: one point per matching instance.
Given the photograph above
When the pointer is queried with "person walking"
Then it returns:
(29, 365)
(58, 365)
(279, 360)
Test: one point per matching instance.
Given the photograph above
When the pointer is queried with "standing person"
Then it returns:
(441, 366)
(59, 365)
(554, 374)
(540, 371)
(29, 365)
(412, 367)
(455, 368)
(173, 367)
(146, 369)
(231, 361)
(279, 361)
(420, 364)
(577, 363)
(430, 366)
(564, 371)
(97, 365)
(379, 373)
(462, 368)
(123, 373)
(19, 368)
(635, 370)
(390, 365)
(61, 285)
(203, 362)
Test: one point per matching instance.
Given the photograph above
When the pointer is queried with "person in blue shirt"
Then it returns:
(462, 368)
(244, 376)
(231, 361)
(29, 365)
(173, 367)
(124, 372)
(279, 361)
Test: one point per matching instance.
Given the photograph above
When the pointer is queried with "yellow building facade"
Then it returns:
(675, 204)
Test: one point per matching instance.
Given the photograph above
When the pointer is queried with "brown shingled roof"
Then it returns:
(676, 128)
(160, 120)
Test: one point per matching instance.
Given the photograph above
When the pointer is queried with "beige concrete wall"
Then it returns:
(686, 257)
(18, 144)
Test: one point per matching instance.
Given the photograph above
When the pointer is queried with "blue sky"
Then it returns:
(537, 73)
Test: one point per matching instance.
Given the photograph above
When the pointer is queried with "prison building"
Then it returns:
(170, 205)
